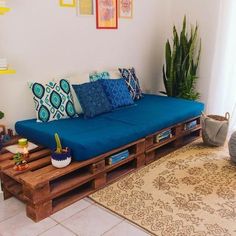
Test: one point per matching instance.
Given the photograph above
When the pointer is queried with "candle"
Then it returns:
(23, 142)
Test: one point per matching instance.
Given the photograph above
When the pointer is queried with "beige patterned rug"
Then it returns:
(191, 192)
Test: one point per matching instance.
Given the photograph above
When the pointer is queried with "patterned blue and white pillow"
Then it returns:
(99, 76)
(132, 82)
(92, 98)
(53, 101)
(117, 92)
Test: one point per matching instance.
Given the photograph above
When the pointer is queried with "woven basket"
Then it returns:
(220, 118)
(215, 129)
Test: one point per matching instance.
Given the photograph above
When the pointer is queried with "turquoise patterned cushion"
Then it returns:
(53, 101)
(92, 98)
(132, 82)
(98, 76)
(117, 92)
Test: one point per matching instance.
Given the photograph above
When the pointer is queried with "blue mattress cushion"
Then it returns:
(117, 92)
(92, 98)
(91, 137)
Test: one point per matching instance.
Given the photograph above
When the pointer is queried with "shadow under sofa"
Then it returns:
(47, 190)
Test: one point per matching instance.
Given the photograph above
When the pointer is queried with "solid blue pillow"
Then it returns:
(117, 92)
(92, 98)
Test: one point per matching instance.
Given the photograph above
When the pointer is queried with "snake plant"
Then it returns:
(1, 115)
(182, 60)
(58, 142)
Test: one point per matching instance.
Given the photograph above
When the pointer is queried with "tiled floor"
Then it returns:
(83, 218)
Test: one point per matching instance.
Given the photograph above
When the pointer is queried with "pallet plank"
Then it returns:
(32, 157)
(32, 166)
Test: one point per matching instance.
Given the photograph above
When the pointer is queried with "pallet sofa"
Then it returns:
(46, 190)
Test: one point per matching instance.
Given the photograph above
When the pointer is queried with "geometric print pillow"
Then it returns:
(117, 92)
(92, 98)
(98, 76)
(132, 82)
(53, 101)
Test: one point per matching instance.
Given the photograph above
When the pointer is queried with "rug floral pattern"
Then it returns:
(191, 192)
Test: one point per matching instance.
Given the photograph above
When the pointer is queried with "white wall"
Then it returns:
(42, 40)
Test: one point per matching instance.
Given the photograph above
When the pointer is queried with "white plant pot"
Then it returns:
(61, 163)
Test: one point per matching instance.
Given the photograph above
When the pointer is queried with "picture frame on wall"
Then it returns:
(86, 7)
(67, 3)
(107, 14)
(126, 9)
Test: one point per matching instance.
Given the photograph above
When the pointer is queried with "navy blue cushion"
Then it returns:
(88, 138)
(132, 82)
(117, 92)
(92, 98)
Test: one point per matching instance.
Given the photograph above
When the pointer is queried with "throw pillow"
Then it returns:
(117, 92)
(93, 99)
(132, 82)
(53, 101)
(98, 76)
(77, 105)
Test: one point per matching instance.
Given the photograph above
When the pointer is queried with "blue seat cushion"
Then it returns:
(117, 92)
(91, 137)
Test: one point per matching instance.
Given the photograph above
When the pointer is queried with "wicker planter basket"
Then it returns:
(215, 129)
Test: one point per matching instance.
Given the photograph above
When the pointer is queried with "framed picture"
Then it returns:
(68, 3)
(86, 7)
(107, 14)
(126, 8)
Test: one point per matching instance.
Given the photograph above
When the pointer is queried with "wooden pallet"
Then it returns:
(46, 189)
(180, 137)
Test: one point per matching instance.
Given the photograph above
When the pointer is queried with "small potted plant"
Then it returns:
(61, 157)
(20, 163)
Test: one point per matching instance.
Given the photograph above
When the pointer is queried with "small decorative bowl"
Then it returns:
(61, 160)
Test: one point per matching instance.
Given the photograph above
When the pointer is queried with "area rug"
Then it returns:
(190, 192)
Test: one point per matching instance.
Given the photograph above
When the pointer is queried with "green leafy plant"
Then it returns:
(1, 115)
(182, 60)
(58, 142)
(18, 158)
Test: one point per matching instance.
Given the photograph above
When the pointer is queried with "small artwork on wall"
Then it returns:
(126, 9)
(67, 3)
(86, 7)
(107, 14)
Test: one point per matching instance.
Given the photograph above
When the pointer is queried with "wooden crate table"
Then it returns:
(46, 189)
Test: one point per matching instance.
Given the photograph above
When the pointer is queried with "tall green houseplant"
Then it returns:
(1, 115)
(182, 60)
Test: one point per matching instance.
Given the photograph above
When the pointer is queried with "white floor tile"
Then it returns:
(58, 230)
(109, 211)
(21, 225)
(10, 208)
(87, 199)
(70, 210)
(93, 221)
(125, 229)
